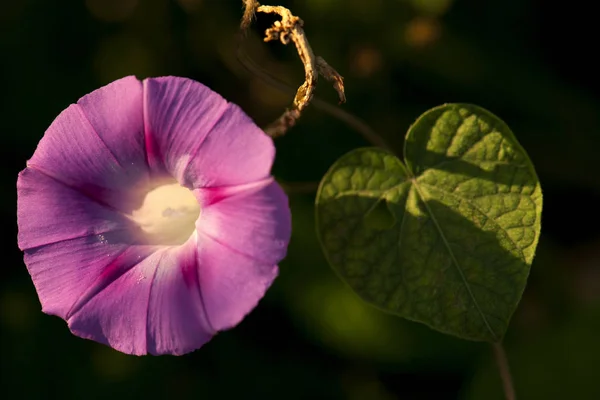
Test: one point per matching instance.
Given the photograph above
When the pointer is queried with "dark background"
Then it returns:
(531, 62)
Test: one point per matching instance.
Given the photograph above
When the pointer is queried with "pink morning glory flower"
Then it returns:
(148, 216)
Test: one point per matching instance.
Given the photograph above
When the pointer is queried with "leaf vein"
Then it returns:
(455, 261)
(501, 228)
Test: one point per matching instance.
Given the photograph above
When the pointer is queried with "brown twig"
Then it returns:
(352, 121)
(250, 7)
(289, 28)
(332, 76)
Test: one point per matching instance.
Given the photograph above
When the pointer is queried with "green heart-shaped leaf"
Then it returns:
(449, 238)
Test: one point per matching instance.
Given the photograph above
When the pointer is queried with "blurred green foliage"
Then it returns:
(528, 61)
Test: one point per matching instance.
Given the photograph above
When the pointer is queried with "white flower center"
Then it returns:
(167, 215)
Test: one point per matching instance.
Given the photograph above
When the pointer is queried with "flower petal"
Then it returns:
(49, 212)
(70, 242)
(177, 321)
(81, 149)
(200, 138)
(117, 315)
(231, 283)
(155, 307)
(243, 233)
(115, 112)
(255, 221)
(61, 272)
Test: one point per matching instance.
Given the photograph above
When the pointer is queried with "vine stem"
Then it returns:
(290, 29)
(502, 363)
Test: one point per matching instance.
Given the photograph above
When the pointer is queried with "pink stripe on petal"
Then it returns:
(179, 113)
(49, 211)
(115, 112)
(73, 152)
(231, 283)
(131, 257)
(214, 194)
(235, 152)
(255, 221)
(201, 138)
(63, 271)
(154, 307)
(117, 315)
(177, 322)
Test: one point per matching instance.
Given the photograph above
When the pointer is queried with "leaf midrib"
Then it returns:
(454, 260)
